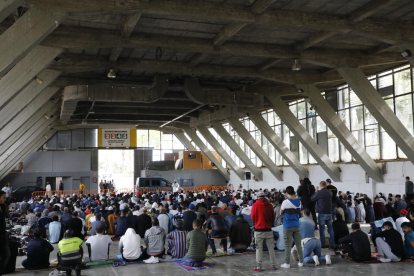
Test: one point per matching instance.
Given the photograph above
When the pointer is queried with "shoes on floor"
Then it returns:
(316, 259)
(332, 248)
(328, 259)
(383, 260)
(295, 257)
(258, 269)
(285, 265)
(300, 264)
(273, 267)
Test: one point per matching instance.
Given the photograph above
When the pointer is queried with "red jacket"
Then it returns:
(263, 215)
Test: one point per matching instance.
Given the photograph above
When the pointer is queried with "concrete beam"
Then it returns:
(31, 132)
(278, 143)
(31, 145)
(25, 71)
(25, 34)
(7, 7)
(193, 136)
(341, 131)
(31, 91)
(40, 102)
(218, 127)
(197, 94)
(255, 147)
(221, 151)
(183, 139)
(38, 116)
(410, 47)
(379, 109)
(283, 111)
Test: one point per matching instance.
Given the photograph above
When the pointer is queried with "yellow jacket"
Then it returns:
(82, 187)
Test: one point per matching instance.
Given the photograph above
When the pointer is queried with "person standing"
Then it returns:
(334, 192)
(4, 245)
(409, 189)
(48, 189)
(291, 226)
(305, 192)
(263, 215)
(323, 199)
(81, 188)
(175, 186)
(61, 186)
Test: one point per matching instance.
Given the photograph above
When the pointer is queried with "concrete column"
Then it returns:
(185, 141)
(338, 127)
(193, 135)
(8, 6)
(25, 71)
(26, 96)
(221, 151)
(283, 111)
(32, 145)
(218, 127)
(255, 147)
(379, 109)
(278, 143)
(408, 46)
(25, 34)
(16, 141)
(40, 102)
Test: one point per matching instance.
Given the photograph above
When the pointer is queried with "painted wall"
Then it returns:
(352, 175)
(72, 166)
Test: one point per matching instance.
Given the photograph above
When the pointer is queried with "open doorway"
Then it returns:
(52, 182)
(117, 166)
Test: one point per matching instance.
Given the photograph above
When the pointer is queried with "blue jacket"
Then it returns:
(38, 251)
(350, 214)
(121, 225)
(323, 199)
(307, 228)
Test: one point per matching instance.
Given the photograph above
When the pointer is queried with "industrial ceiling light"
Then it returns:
(296, 66)
(299, 90)
(406, 53)
(38, 80)
(46, 117)
(58, 59)
(111, 74)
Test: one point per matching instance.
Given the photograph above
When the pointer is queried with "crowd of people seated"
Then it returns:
(183, 225)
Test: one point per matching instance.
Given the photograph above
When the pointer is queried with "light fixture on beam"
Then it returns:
(58, 59)
(111, 74)
(38, 80)
(296, 66)
(300, 90)
(312, 107)
(46, 117)
(91, 111)
(406, 53)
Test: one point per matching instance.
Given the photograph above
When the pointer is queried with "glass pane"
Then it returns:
(333, 146)
(177, 145)
(372, 136)
(271, 118)
(357, 121)
(321, 124)
(344, 115)
(374, 152)
(369, 119)
(359, 135)
(142, 138)
(303, 154)
(354, 100)
(345, 154)
(312, 127)
(402, 82)
(156, 155)
(166, 141)
(343, 98)
(301, 110)
(388, 146)
(155, 140)
(294, 109)
(405, 111)
(277, 120)
(286, 136)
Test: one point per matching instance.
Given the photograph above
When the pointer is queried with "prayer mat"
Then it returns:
(119, 256)
(190, 268)
(220, 253)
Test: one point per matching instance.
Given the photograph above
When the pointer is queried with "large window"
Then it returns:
(161, 143)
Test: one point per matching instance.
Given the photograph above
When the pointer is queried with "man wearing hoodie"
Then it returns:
(305, 192)
(263, 215)
(291, 226)
(155, 239)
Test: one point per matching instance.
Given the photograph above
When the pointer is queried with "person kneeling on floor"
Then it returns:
(38, 251)
(130, 247)
(70, 252)
(196, 245)
(392, 249)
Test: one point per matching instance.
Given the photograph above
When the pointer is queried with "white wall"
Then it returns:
(352, 176)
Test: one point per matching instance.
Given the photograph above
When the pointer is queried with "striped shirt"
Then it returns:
(177, 243)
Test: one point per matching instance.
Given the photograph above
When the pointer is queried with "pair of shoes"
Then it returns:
(316, 259)
(115, 264)
(285, 265)
(273, 267)
(300, 264)
(328, 259)
(383, 260)
(258, 269)
(332, 248)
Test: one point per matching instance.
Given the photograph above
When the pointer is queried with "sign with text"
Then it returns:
(116, 138)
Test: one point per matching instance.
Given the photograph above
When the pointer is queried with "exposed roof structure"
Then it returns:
(228, 48)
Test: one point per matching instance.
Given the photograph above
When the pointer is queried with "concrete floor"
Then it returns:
(234, 265)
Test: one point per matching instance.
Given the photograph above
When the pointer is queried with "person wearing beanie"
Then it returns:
(43, 221)
(189, 217)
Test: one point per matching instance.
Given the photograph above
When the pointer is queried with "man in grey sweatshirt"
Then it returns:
(155, 239)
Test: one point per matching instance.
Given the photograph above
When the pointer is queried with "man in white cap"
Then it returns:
(175, 186)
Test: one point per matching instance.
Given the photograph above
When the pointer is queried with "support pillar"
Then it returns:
(26, 96)
(255, 147)
(25, 71)
(278, 143)
(379, 109)
(218, 127)
(341, 131)
(185, 141)
(283, 111)
(39, 103)
(221, 151)
(8, 6)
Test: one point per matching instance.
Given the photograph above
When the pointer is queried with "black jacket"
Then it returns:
(240, 234)
(76, 225)
(188, 218)
(65, 219)
(305, 191)
(394, 240)
(143, 223)
(323, 200)
(340, 229)
(38, 251)
(360, 244)
(218, 226)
